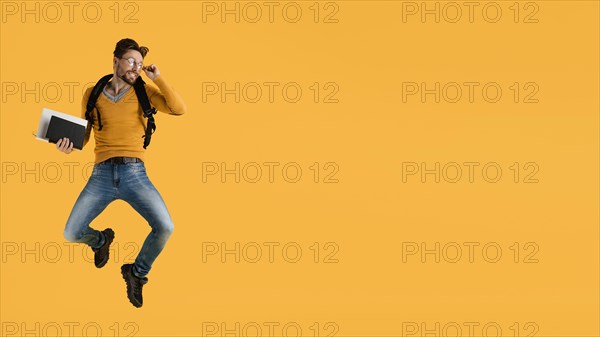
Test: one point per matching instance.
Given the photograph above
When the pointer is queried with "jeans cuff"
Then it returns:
(135, 272)
(101, 241)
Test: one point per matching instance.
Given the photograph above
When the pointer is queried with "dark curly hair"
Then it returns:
(126, 44)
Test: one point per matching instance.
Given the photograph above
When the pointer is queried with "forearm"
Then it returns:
(167, 100)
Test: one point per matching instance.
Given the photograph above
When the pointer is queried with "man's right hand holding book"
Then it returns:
(64, 145)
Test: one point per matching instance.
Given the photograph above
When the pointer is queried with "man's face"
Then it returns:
(125, 70)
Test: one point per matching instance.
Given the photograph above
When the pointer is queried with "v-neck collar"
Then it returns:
(115, 99)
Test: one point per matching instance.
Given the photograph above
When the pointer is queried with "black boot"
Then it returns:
(101, 254)
(134, 285)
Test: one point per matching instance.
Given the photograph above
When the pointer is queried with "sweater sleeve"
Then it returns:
(88, 130)
(165, 99)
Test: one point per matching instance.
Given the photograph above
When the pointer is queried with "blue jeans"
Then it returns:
(130, 183)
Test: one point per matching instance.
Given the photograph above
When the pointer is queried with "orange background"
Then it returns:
(365, 217)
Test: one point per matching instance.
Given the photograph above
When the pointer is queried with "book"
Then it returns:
(59, 128)
(55, 125)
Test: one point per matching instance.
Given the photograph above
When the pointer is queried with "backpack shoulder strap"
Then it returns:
(149, 111)
(91, 103)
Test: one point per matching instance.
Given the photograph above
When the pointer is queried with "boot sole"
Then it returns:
(125, 278)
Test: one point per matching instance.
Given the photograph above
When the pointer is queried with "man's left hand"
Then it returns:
(151, 71)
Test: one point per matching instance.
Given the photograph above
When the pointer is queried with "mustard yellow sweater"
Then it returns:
(123, 122)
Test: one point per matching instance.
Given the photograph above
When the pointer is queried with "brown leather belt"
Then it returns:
(123, 160)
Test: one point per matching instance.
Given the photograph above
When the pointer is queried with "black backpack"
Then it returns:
(142, 97)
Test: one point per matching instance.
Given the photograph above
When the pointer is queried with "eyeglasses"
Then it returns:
(131, 62)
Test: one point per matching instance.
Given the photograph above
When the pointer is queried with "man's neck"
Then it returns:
(117, 85)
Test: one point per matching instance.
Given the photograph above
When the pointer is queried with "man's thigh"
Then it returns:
(97, 194)
(141, 194)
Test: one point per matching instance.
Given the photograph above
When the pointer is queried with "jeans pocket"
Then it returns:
(137, 167)
(99, 168)
(95, 170)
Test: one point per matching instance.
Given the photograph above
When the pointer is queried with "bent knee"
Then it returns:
(170, 228)
(167, 228)
(71, 236)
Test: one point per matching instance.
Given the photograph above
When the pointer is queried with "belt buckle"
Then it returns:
(115, 160)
